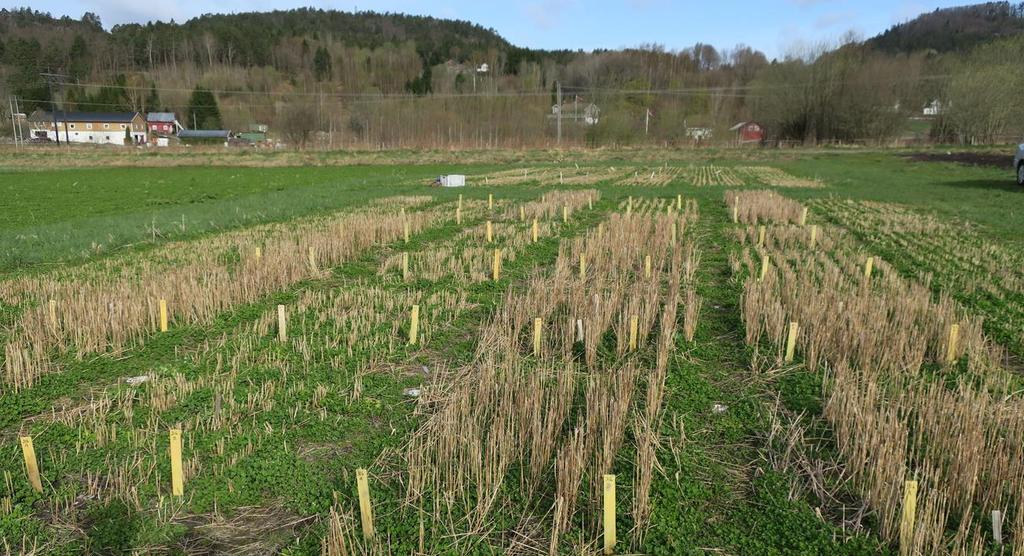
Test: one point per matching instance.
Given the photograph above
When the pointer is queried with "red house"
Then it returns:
(748, 132)
(162, 124)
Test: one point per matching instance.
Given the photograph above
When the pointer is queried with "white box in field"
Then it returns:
(453, 180)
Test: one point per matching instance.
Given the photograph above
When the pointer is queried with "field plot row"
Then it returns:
(518, 446)
(986, 276)
(264, 411)
(661, 176)
(929, 426)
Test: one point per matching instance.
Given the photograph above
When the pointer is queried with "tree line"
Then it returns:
(381, 80)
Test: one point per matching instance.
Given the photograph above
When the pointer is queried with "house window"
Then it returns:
(122, 126)
(106, 126)
(88, 126)
(72, 126)
(90, 137)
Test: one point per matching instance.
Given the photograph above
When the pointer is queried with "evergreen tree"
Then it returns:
(202, 109)
(322, 64)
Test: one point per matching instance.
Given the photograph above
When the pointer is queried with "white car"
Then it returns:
(1018, 164)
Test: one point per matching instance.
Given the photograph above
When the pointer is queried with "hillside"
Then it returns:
(953, 29)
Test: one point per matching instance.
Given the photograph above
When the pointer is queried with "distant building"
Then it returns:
(748, 132)
(107, 128)
(162, 123)
(194, 136)
(933, 108)
(591, 114)
(570, 111)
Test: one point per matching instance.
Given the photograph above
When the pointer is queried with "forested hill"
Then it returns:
(953, 29)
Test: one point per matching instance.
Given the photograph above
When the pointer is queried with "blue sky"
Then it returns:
(773, 26)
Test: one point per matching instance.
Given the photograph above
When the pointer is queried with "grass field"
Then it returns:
(706, 333)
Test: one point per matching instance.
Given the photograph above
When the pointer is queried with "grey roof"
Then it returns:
(168, 117)
(204, 133)
(126, 117)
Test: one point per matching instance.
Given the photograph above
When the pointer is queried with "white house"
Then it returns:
(933, 108)
(109, 128)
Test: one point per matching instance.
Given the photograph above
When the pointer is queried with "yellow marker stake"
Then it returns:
(365, 509)
(954, 339)
(53, 314)
(803, 217)
(31, 465)
(583, 267)
(405, 266)
(647, 266)
(760, 236)
(909, 516)
(406, 232)
(490, 201)
(282, 326)
(674, 233)
(536, 336)
(496, 266)
(633, 329)
(522, 214)
(258, 254)
(609, 514)
(735, 214)
(764, 268)
(565, 215)
(490, 233)
(590, 203)
(629, 206)
(177, 479)
(163, 315)
(814, 235)
(600, 230)
(536, 230)
(791, 341)
(414, 325)
(460, 201)
(679, 202)
(312, 258)
(868, 266)
(458, 215)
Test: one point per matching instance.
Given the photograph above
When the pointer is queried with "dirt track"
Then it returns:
(993, 160)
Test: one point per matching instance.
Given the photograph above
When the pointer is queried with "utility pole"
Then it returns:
(558, 85)
(14, 126)
(59, 80)
(17, 110)
(647, 120)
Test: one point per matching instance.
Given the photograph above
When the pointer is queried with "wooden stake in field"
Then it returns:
(53, 314)
(490, 232)
(406, 232)
(814, 235)
(565, 214)
(535, 230)
(177, 477)
(282, 325)
(791, 341)
(258, 254)
(537, 324)
(405, 266)
(458, 216)
(954, 339)
(629, 206)
(163, 315)
(28, 452)
(522, 213)
(414, 325)
(760, 235)
(803, 217)
(868, 266)
(647, 266)
(609, 514)
(496, 265)
(633, 331)
(679, 202)
(460, 201)
(764, 268)
(735, 214)
(490, 201)
(365, 508)
(583, 267)
(590, 203)
(997, 526)
(674, 233)
(909, 516)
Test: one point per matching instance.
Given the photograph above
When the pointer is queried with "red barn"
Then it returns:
(162, 124)
(748, 132)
